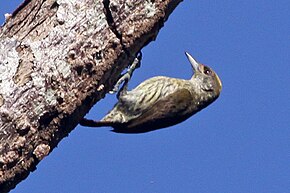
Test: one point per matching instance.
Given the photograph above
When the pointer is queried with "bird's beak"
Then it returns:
(192, 61)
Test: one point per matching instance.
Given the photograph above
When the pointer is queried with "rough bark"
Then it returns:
(57, 59)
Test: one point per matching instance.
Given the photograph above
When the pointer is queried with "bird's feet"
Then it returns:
(127, 76)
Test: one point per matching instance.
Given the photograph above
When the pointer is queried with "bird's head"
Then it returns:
(206, 79)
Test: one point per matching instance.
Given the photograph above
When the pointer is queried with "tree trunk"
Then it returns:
(57, 59)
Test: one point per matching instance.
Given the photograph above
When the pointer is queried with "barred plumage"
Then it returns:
(162, 101)
(134, 102)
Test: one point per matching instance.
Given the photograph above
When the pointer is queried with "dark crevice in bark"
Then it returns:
(55, 5)
(112, 25)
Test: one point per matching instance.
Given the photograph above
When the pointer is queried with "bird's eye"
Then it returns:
(207, 70)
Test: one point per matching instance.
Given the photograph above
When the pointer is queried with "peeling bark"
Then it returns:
(57, 59)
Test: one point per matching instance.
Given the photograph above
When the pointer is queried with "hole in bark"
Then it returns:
(89, 66)
(98, 55)
(47, 117)
(79, 69)
(23, 131)
(89, 69)
(59, 100)
(114, 8)
(54, 5)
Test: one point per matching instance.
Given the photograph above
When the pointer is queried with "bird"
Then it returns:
(160, 102)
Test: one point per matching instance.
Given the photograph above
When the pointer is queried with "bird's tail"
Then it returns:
(93, 123)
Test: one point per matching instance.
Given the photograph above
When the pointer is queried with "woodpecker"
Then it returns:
(160, 102)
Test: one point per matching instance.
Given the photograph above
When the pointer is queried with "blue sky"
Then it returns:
(240, 143)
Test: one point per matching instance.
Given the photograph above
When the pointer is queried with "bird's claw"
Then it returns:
(124, 78)
(127, 76)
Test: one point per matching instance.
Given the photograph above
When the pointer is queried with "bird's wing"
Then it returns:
(170, 110)
(137, 101)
